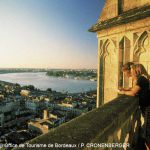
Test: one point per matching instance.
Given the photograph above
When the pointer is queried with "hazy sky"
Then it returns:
(48, 33)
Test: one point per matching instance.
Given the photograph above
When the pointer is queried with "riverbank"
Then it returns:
(74, 74)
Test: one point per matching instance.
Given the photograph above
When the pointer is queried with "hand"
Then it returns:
(120, 88)
(121, 92)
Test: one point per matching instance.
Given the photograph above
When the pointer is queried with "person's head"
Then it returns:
(127, 69)
(138, 70)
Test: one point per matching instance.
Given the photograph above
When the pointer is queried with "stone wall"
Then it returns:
(128, 4)
(115, 122)
(113, 8)
(107, 12)
(116, 46)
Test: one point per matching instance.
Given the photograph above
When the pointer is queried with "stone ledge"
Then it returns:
(125, 17)
(94, 126)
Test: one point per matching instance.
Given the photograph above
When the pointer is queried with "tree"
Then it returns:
(49, 90)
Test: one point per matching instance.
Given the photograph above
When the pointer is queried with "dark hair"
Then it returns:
(127, 66)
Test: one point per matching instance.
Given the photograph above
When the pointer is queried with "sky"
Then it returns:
(48, 33)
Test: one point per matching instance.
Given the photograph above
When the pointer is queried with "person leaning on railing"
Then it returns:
(141, 88)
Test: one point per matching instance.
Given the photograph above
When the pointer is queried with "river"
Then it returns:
(42, 81)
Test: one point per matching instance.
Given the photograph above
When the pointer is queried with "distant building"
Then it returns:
(8, 105)
(13, 113)
(49, 121)
(61, 118)
(35, 105)
(25, 93)
(71, 109)
(40, 125)
(1, 119)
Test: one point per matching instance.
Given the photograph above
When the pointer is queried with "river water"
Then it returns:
(42, 81)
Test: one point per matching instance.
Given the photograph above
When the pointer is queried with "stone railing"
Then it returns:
(116, 122)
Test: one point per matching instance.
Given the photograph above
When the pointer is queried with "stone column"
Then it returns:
(100, 75)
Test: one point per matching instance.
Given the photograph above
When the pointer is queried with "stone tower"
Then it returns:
(45, 114)
(123, 32)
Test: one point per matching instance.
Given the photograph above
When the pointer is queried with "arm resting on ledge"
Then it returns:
(132, 92)
(125, 89)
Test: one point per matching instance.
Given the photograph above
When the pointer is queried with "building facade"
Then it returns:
(123, 32)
